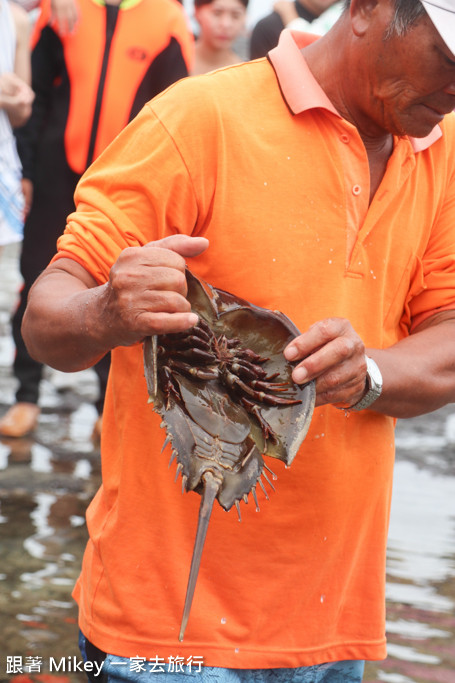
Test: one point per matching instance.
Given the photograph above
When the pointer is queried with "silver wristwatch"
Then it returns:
(374, 386)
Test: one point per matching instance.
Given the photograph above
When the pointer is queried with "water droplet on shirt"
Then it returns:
(322, 598)
(223, 620)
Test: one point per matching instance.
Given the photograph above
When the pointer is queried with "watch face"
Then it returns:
(374, 376)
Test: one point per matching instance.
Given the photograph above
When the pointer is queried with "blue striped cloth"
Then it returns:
(11, 199)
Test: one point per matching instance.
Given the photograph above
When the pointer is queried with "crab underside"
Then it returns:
(226, 397)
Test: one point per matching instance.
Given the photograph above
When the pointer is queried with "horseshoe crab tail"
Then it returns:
(211, 486)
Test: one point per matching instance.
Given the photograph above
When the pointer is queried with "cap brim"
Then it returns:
(442, 14)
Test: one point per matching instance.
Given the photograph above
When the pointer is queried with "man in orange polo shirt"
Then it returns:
(319, 182)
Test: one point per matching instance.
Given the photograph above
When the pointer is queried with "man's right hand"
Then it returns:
(71, 321)
(146, 292)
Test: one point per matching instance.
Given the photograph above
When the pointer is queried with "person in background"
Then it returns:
(319, 182)
(221, 22)
(65, 13)
(16, 97)
(89, 83)
(311, 16)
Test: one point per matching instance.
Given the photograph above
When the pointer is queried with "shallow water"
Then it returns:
(421, 555)
(47, 481)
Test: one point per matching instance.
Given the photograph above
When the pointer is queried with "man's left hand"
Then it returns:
(332, 354)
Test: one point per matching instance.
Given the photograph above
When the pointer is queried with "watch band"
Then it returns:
(374, 386)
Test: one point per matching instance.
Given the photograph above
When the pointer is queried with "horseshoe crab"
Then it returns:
(226, 397)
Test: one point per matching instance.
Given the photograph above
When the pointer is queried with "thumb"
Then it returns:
(182, 244)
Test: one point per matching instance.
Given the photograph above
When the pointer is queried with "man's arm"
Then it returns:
(22, 61)
(71, 322)
(16, 96)
(66, 15)
(418, 371)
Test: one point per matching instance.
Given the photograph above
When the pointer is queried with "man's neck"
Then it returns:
(334, 80)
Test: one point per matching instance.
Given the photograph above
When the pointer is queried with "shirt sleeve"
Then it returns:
(128, 198)
(437, 266)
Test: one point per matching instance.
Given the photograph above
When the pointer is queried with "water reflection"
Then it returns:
(46, 484)
(421, 556)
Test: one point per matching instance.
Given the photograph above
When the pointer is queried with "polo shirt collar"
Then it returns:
(300, 89)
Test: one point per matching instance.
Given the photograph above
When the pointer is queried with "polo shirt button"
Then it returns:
(356, 190)
(345, 138)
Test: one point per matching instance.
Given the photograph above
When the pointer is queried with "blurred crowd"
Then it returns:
(67, 88)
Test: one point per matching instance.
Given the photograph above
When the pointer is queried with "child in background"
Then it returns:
(221, 22)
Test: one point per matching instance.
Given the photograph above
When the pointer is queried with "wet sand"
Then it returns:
(47, 481)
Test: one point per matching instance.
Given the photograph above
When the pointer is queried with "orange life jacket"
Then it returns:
(108, 75)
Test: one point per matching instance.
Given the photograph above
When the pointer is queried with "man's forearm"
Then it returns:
(419, 371)
(69, 339)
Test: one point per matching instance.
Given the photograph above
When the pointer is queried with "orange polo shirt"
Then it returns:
(255, 158)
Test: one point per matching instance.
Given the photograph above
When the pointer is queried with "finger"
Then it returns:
(326, 345)
(315, 337)
(136, 314)
(165, 278)
(140, 286)
(158, 264)
(182, 244)
(307, 345)
(160, 301)
(169, 323)
(331, 355)
(342, 396)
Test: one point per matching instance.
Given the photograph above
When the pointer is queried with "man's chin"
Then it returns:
(423, 122)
